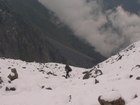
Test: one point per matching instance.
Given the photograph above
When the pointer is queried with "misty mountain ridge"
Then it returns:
(46, 82)
(19, 40)
(58, 34)
(102, 23)
(72, 50)
(27, 43)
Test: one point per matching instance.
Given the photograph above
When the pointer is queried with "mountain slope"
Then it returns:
(19, 40)
(46, 22)
(127, 59)
(46, 84)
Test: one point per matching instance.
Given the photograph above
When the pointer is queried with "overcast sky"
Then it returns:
(108, 31)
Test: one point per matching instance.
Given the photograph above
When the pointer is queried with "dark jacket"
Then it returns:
(67, 68)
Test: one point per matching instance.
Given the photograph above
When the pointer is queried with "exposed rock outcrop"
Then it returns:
(119, 101)
(1, 81)
(93, 73)
(13, 75)
(86, 76)
(10, 89)
(20, 40)
(50, 73)
(112, 98)
(138, 78)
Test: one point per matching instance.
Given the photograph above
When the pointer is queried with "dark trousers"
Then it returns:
(67, 74)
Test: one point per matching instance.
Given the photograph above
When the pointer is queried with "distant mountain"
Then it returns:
(19, 40)
(77, 52)
(74, 51)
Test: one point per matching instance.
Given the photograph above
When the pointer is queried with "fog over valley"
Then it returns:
(108, 30)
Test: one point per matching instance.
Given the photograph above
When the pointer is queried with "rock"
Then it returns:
(42, 87)
(119, 57)
(13, 75)
(24, 67)
(98, 72)
(117, 101)
(42, 71)
(49, 88)
(130, 76)
(135, 96)
(85, 72)
(138, 66)
(86, 76)
(95, 72)
(96, 81)
(138, 78)
(70, 97)
(9, 67)
(7, 89)
(9, 81)
(51, 73)
(10, 89)
(1, 81)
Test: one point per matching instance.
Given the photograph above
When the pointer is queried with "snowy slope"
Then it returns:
(121, 73)
(45, 84)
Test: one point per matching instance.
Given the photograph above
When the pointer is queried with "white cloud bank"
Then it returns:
(108, 31)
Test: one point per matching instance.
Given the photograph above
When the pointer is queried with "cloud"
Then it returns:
(108, 31)
(126, 23)
(138, 1)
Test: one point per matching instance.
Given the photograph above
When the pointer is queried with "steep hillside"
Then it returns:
(74, 57)
(127, 59)
(46, 22)
(19, 40)
(115, 81)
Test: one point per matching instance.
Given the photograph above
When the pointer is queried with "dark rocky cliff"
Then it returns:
(19, 40)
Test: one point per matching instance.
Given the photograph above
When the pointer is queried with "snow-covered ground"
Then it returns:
(45, 84)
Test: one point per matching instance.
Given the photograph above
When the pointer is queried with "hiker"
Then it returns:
(67, 69)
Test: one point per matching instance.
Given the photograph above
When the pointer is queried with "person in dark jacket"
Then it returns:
(67, 69)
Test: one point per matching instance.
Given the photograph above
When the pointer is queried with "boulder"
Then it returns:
(98, 72)
(13, 75)
(10, 89)
(138, 66)
(130, 76)
(119, 101)
(138, 78)
(49, 88)
(86, 76)
(112, 98)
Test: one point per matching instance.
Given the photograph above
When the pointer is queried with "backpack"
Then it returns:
(70, 69)
(67, 68)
